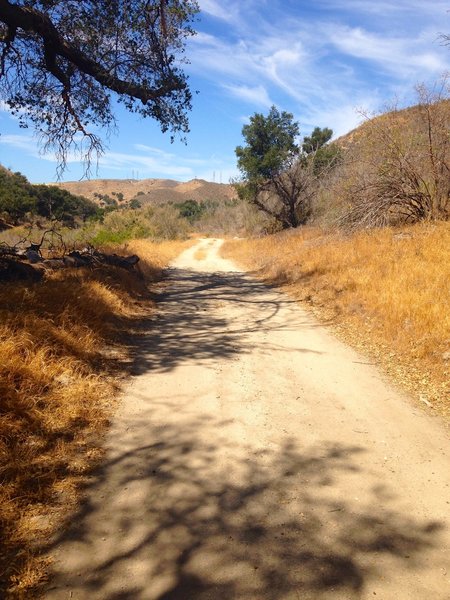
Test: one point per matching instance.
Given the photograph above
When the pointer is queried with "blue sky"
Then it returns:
(322, 60)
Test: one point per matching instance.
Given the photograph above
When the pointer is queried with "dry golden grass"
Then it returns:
(56, 392)
(386, 291)
(155, 256)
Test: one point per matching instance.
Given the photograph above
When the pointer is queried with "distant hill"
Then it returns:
(151, 190)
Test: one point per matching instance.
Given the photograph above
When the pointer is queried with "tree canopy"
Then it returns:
(62, 61)
(318, 138)
(270, 143)
(279, 175)
(20, 199)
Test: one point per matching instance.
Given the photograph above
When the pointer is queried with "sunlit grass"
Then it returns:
(386, 287)
(57, 390)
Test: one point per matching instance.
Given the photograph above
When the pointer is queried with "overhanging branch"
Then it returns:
(33, 21)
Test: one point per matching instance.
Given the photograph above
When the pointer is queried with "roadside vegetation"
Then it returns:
(63, 355)
(393, 169)
(384, 290)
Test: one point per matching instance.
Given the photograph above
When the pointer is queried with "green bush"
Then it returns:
(119, 226)
(20, 201)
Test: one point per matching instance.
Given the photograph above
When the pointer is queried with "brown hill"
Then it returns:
(394, 168)
(410, 118)
(151, 190)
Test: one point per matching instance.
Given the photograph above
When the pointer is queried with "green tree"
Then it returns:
(119, 196)
(17, 197)
(318, 149)
(318, 138)
(191, 210)
(270, 145)
(279, 175)
(62, 62)
(135, 203)
(59, 204)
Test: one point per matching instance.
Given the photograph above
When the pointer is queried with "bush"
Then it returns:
(117, 227)
(395, 168)
(20, 201)
(165, 222)
(191, 210)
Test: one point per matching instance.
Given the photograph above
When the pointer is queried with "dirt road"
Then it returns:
(256, 457)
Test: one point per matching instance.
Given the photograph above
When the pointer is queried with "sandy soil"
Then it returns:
(256, 457)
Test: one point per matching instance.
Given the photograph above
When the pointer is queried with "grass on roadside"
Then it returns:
(57, 390)
(387, 291)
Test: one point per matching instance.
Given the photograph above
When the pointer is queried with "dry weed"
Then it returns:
(57, 390)
(155, 256)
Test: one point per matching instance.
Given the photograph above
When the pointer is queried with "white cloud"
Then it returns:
(217, 10)
(22, 142)
(255, 95)
(147, 163)
(322, 70)
(152, 161)
(30, 147)
(153, 150)
(402, 56)
(383, 8)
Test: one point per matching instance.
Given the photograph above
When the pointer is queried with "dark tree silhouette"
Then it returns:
(61, 62)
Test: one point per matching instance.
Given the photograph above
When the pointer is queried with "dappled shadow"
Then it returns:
(201, 317)
(191, 505)
(185, 513)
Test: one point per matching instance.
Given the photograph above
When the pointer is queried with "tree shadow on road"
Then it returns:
(201, 318)
(183, 510)
(195, 516)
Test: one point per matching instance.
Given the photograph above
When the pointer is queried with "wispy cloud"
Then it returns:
(320, 66)
(218, 10)
(403, 57)
(22, 142)
(389, 8)
(145, 163)
(148, 160)
(256, 95)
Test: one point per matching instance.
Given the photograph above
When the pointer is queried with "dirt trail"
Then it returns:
(256, 457)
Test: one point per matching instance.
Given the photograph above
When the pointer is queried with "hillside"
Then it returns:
(392, 169)
(152, 190)
(409, 118)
